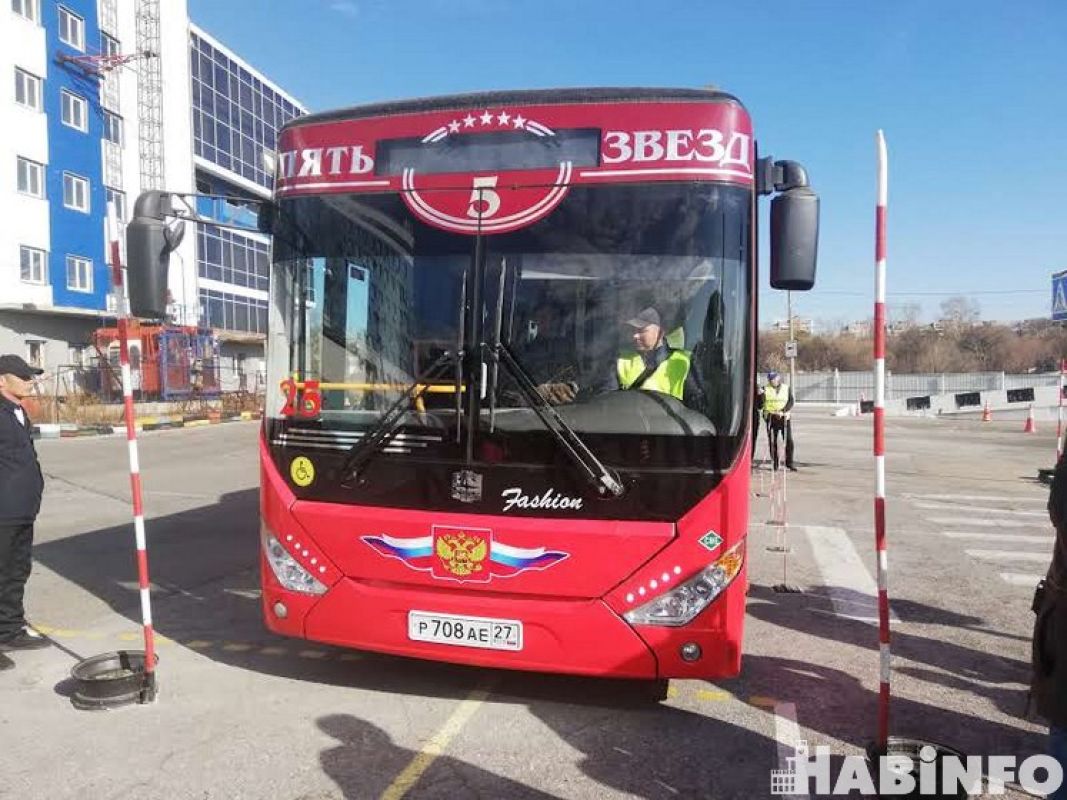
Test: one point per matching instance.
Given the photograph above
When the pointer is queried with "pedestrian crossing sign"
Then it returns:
(1059, 296)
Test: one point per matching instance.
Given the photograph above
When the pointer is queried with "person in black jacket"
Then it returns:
(21, 484)
(1048, 683)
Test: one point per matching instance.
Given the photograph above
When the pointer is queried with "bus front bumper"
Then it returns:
(571, 636)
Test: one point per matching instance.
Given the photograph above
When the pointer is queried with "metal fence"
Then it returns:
(92, 393)
(851, 387)
(152, 380)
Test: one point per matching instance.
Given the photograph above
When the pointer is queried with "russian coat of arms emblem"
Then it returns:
(461, 553)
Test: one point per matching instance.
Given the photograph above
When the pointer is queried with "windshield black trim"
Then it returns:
(421, 482)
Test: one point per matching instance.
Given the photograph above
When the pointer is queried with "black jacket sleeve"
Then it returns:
(21, 482)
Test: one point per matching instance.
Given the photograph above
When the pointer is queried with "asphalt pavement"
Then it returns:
(245, 714)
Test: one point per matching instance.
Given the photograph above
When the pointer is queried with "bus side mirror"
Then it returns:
(149, 243)
(794, 238)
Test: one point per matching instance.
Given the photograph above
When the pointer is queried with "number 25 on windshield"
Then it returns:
(306, 403)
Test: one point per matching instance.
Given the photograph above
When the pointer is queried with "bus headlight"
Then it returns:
(681, 605)
(287, 570)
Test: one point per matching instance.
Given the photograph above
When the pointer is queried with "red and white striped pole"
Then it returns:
(119, 282)
(879, 440)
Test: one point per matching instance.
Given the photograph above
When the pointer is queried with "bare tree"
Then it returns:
(904, 315)
(961, 311)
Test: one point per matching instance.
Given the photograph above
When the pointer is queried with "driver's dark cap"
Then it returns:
(14, 365)
(647, 317)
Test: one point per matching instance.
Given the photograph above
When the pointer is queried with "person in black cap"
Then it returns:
(655, 365)
(21, 485)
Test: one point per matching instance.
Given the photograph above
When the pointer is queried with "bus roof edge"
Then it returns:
(516, 97)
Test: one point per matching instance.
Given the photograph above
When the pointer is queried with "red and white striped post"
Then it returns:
(879, 440)
(119, 282)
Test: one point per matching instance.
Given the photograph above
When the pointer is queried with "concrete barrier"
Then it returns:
(1005, 404)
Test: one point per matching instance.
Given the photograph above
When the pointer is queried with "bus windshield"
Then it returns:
(627, 309)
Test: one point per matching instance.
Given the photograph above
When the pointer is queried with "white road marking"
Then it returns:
(1006, 538)
(988, 498)
(852, 591)
(666, 786)
(787, 735)
(987, 523)
(980, 509)
(1010, 555)
(1018, 579)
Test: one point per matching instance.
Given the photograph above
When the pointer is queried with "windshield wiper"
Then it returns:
(497, 325)
(601, 478)
(374, 440)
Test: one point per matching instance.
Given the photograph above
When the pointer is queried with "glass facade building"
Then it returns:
(236, 117)
(236, 114)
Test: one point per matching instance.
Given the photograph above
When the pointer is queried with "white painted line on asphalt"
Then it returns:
(666, 786)
(1010, 555)
(852, 591)
(981, 509)
(989, 498)
(986, 523)
(1006, 538)
(1018, 579)
(787, 735)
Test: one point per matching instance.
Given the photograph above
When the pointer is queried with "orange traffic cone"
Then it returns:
(987, 415)
(1030, 427)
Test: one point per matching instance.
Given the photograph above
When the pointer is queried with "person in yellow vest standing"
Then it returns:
(777, 403)
(654, 365)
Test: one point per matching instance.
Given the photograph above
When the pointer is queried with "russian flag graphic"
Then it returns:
(504, 560)
(416, 553)
(507, 560)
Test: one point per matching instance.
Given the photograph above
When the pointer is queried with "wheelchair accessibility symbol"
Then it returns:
(302, 471)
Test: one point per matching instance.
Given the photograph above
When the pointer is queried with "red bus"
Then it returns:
(510, 371)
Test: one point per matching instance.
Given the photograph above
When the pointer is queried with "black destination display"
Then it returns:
(497, 151)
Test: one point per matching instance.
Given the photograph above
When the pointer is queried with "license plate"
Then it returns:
(483, 632)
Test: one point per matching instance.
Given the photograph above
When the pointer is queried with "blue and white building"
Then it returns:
(185, 113)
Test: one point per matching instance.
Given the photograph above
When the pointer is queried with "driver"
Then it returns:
(656, 366)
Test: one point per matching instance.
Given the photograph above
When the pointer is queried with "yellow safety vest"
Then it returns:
(774, 400)
(668, 378)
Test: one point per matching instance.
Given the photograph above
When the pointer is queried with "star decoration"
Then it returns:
(502, 119)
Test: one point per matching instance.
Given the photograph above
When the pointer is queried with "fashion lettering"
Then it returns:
(515, 498)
